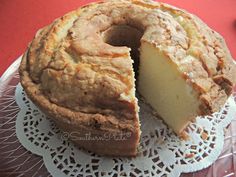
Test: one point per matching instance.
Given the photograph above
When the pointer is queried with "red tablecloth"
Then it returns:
(20, 19)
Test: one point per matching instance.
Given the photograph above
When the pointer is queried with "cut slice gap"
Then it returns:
(157, 78)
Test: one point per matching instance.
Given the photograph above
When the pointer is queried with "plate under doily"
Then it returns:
(162, 153)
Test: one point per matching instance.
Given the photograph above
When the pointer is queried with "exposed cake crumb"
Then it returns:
(190, 155)
(204, 135)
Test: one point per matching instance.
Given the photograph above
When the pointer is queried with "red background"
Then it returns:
(20, 19)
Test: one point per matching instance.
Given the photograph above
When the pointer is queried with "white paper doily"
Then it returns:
(162, 153)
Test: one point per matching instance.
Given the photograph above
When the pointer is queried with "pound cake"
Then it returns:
(80, 71)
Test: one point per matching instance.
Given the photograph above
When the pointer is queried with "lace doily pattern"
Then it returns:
(162, 153)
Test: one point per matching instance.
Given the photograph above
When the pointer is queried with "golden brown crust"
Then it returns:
(74, 76)
(106, 128)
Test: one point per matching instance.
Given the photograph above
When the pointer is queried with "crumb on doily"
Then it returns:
(190, 155)
(204, 135)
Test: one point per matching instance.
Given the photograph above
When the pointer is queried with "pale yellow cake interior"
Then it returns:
(159, 81)
(164, 89)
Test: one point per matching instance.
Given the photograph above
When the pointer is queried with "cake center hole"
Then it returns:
(125, 35)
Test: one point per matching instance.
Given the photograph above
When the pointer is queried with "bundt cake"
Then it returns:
(80, 71)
